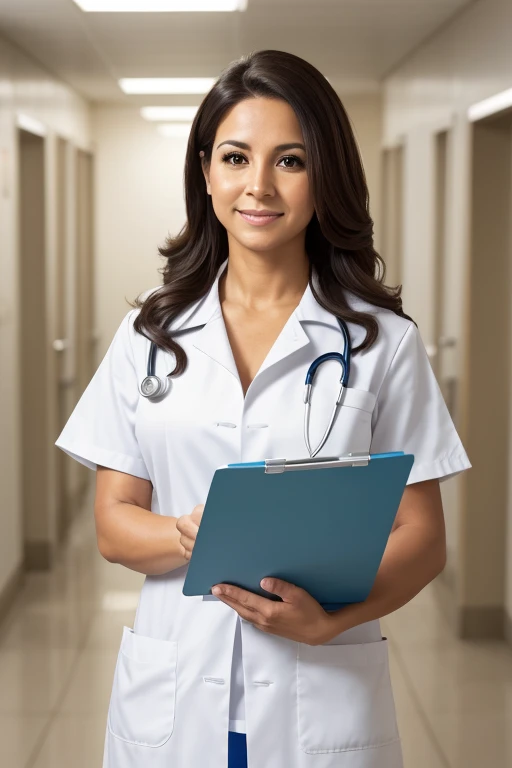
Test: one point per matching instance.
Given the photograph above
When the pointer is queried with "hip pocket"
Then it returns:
(143, 699)
(344, 697)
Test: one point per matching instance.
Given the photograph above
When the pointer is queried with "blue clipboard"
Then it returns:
(322, 524)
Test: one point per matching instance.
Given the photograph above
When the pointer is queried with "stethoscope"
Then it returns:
(153, 387)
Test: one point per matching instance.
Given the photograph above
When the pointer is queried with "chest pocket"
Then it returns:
(351, 431)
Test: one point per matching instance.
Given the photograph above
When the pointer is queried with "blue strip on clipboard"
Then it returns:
(262, 463)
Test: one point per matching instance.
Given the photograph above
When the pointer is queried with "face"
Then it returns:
(251, 170)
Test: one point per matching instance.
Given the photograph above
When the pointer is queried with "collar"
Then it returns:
(212, 338)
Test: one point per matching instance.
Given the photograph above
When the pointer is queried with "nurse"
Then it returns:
(277, 244)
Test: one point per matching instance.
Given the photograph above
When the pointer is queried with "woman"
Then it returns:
(278, 242)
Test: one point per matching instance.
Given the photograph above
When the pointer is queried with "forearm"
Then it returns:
(411, 560)
(140, 540)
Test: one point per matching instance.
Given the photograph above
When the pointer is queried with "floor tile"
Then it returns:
(32, 680)
(106, 630)
(19, 737)
(73, 741)
(91, 685)
(474, 739)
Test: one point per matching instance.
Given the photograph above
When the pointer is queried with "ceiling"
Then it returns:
(355, 43)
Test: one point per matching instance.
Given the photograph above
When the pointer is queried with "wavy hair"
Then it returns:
(339, 236)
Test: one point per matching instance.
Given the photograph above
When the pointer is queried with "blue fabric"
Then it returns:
(237, 750)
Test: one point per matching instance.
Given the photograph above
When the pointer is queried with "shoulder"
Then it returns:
(130, 316)
(392, 327)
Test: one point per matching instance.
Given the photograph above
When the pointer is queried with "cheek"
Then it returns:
(300, 202)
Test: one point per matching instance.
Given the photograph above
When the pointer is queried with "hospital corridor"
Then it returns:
(104, 105)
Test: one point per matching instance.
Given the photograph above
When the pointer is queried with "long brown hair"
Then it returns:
(339, 237)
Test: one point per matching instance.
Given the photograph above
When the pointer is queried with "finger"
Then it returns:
(189, 528)
(290, 593)
(242, 610)
(261, 605)
(187, 543)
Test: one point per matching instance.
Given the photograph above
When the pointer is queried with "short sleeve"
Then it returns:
(101, 428)
(410, 415)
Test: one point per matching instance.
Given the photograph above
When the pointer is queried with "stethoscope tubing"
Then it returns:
(153, 387)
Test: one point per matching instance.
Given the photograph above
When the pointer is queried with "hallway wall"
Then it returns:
(465, 62)
(26, 88)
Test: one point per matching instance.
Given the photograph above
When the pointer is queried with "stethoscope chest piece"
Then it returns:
(154, 387)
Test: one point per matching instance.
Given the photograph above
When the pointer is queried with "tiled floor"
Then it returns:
(59, 644)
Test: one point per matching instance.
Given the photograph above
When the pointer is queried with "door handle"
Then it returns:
(447, 341)
(60, 345)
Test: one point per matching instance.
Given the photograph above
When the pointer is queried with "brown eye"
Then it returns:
(295, 159)
(227, 157)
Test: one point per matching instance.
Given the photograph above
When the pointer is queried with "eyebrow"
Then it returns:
(279, 148)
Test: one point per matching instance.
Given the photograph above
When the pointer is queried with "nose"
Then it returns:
(260, 181)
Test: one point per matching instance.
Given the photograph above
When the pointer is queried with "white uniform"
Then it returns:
(190, 669)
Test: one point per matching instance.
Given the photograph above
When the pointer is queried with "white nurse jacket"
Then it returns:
(179, 682)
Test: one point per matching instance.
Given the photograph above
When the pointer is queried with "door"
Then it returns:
(392, 213)
(85, 336)
(487, 520)
(33, 375)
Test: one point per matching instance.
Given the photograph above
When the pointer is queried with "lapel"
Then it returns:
(212, 338)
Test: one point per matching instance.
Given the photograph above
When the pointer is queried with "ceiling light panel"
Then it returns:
(168, 113)
(175, 130)
(167, 85)
(491, 106)
(160, 6)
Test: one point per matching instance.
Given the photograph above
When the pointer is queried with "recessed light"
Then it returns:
(161, 85)
(492, 105)
(160, 6)
(30, 124)
(168, 113)
(174, 130)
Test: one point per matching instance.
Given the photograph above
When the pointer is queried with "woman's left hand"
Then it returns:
(299, 617)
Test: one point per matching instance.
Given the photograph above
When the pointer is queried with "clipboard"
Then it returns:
(321, 523)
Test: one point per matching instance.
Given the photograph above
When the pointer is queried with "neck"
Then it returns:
(260, 281)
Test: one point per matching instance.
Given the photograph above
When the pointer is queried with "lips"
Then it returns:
(259, 219)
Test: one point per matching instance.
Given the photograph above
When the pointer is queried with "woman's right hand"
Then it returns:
(188, 526)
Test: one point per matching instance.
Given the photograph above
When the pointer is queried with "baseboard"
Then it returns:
(482, 622)
(10, 591)
(508, 628)
(38, 555)
(444, 590)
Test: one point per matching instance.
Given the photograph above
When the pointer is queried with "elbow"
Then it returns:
(105, 549)
(439, 558)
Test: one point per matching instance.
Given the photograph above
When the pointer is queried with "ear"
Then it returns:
(206, 172)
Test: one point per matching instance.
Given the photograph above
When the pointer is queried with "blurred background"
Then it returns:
(93, 130)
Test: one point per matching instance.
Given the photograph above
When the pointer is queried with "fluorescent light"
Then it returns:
(162, 85)
(174, 130)
(160, 6)
(490, 106)
(168, 113)
(30, 124)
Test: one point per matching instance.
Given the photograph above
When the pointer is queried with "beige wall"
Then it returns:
(26, 88)
(139, 199)
(467, 61)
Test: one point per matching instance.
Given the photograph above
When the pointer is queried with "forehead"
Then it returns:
(261, 120)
